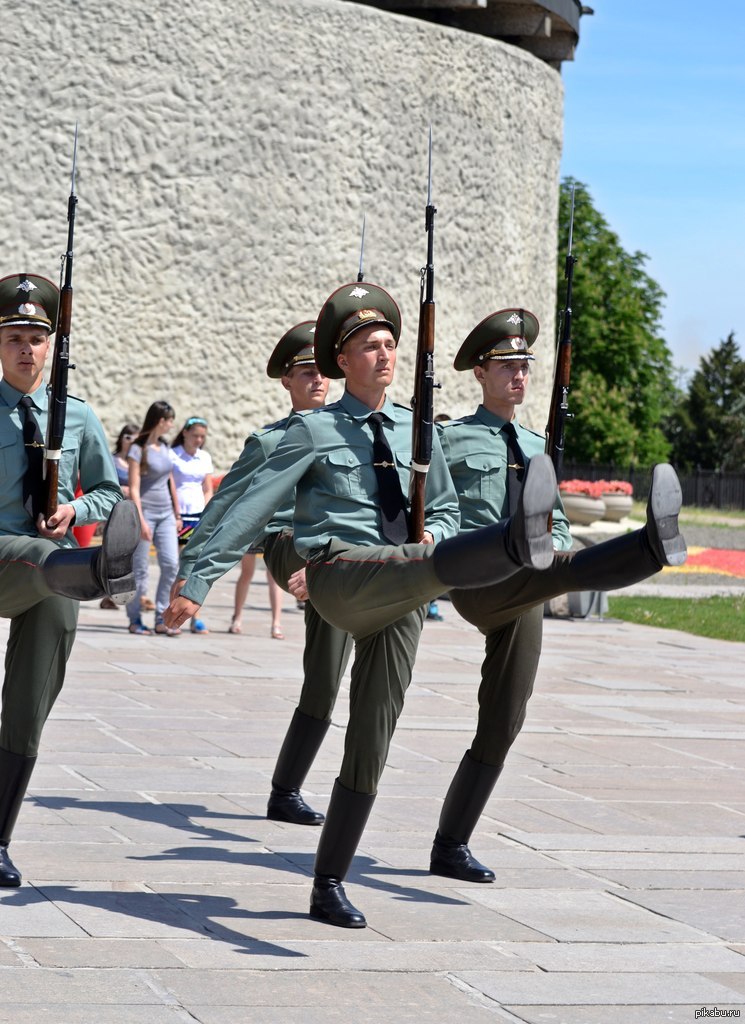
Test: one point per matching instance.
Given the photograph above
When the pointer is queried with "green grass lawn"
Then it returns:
(722, 618)
(694, 516)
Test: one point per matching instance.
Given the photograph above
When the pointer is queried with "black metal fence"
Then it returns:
(707, 488)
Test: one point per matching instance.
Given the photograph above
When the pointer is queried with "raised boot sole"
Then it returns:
(121, 536)
(534, 543)
(665, 501)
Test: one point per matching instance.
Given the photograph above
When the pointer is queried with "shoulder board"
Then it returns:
(447, 424)
(535, 433)
(75, 398)
(331, 407)
(279, 425)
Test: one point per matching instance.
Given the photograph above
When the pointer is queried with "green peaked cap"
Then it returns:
(28, 299)
(350, 307)
(506, 334)
(295, 348)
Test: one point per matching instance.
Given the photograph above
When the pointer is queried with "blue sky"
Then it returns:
(655, 127)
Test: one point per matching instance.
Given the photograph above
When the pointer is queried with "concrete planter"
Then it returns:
(617, 506)
(581, 509)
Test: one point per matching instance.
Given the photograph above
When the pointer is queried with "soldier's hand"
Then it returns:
(179, 611)
(178, 586)
(427, 538)
(57, 525)
(296, 585)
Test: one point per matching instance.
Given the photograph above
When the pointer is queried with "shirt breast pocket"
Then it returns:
(349, 469)
(12, 458)
(480, 475)
(68, 466)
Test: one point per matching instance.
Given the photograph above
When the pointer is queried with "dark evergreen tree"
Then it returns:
(708, 428)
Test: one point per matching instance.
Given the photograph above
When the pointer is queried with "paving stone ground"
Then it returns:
(156, 891)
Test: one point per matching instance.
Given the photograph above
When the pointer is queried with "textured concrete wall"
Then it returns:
(227, 153)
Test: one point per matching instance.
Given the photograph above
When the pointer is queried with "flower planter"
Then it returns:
(617, 506)
(582, 509)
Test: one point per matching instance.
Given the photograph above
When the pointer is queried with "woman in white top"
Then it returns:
(192, 473)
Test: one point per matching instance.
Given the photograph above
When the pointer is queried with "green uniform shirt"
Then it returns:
(475, 450)
(258, 447)
(326, 456)
(85, 455)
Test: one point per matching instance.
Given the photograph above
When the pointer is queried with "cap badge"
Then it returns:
(518, 344)
(358, 293)
(366, 314)
(312, 330)
(28, 308)
(514, 319)
(26, 286)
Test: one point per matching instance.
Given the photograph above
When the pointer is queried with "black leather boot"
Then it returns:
(15, 772)
(464, 803)
(87, 573)
(301, 744)
(345, 822)
(663, 506)
(493, 553)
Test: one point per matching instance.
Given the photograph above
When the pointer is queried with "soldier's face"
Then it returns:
(504, 381)
(368, 359)
(23, 352)
(307, 386)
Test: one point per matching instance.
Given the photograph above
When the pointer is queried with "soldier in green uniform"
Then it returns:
(488, 453)
(43, 574)
(327, 648)
(349, 464)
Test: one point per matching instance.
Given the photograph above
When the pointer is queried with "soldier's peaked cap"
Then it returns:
(506, 334)
(28, 299)
(345, 311)
(295, 348)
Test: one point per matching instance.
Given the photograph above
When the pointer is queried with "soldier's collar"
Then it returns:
(360, 411)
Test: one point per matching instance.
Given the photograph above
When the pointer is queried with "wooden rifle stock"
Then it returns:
(422, 427)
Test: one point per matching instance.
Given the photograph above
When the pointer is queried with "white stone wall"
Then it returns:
(227, 153)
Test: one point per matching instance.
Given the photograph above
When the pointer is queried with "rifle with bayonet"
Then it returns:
(61, 358)
(559, 408)
(361, 271)
(424, 381)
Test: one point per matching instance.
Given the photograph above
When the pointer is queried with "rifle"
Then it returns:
(61, 357)
(559, 409)
(424, 379)
(361, 271)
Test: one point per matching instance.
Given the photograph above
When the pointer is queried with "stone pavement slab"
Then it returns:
(156, 891)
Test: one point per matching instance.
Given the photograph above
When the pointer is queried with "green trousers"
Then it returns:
(327, 649)
(42, 632)
(510, 615)
(379, 595)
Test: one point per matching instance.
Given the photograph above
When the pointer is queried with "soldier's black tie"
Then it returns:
(33, 478)
(516, 464)
(390, 495)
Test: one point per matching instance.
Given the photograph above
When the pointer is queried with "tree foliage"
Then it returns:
(622, 372)
(707, 429)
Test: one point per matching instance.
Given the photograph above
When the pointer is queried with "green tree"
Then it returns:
(708, 427)
(622, 370)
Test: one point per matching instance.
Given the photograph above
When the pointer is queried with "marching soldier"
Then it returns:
(43, 574)
(488, 454)
(349, 465)
(327, 649)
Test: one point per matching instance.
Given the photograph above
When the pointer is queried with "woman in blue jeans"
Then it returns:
(152, 489)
